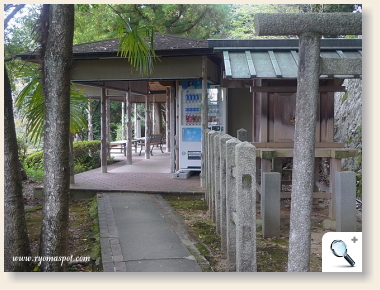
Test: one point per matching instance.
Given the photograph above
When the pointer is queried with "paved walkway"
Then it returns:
(139, 231)
(143, 175)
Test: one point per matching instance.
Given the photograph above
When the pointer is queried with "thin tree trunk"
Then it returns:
(16, 241)
(57, 62)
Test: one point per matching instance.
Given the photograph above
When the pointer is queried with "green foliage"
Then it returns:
(30, 103)
(94, 22)
(22, 148)
(136, 43)
(86, 157)
(35, 160)
(87, 153)
(191, 20)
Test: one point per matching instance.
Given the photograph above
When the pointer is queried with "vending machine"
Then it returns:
(190, 131)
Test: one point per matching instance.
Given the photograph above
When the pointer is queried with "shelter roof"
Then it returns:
(164, 44)
(278, 58)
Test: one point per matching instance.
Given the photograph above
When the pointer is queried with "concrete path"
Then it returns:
(140, 233)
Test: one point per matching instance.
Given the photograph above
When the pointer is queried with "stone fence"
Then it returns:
(229, 172)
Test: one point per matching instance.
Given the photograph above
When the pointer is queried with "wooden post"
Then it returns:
(103, 130)
(108, 125)
(167, 112)
(177, 122)
(335, 166)
(129, 126)
(172, 129)
(147, 127)
(204, 113)
(123, 109)
(89, 118)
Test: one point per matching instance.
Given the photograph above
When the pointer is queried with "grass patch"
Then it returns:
(187, 202)
(271, 258)
(83, 234)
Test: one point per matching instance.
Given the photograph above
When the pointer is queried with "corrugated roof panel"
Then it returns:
(329, 54)
(274, 64)
(352, 54)
(263, 65)
(239, 66)
(287, 64)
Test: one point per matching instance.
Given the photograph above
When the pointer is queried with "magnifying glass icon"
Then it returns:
(339, 249)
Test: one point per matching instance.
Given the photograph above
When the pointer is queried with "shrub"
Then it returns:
(86, 156)
(35, 160)
(87, 153)
(22, 148)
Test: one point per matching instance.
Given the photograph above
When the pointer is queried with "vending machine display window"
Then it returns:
(192, 135)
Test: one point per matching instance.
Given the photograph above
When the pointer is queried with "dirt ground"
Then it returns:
(271, 252)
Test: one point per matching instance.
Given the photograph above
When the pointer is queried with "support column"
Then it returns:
(123, 130)
(103, 130)
(167, 113)
(204, 112)
(147, 127)
(172, 130)
(335, 166)
(129, 126)
(137, 123)
(108, 125)
(89, 118)
(304, 144)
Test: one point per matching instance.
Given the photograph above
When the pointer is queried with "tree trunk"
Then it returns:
(56, 69)
(16, 241)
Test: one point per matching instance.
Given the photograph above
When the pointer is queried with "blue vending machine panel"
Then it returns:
(192, 134)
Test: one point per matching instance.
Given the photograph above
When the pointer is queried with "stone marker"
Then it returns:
(345, 201)
(223, 196)
(216, 171)
(242, 135)
(245, 158)
(231, 203)
(270, 204)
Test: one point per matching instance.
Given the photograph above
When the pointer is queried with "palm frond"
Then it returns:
(137, 45)
(30, 102)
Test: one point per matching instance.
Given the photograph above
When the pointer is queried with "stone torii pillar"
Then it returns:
(309, 27)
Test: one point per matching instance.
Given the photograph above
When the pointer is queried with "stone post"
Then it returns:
(216, 171)
(309, 27)
(270, 204)
(242, 135)
(345, 201)
(223, 197)
(231, 203)
(245, 158)
(210, 174)
(205, 156)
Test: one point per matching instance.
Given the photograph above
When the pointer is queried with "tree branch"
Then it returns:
(13, 13)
